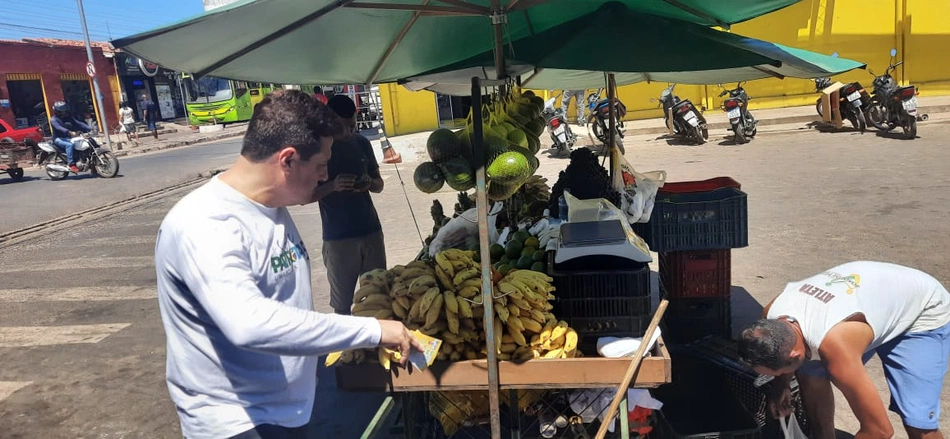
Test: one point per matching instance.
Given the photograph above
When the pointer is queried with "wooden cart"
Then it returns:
(15, 156)
(573, 373)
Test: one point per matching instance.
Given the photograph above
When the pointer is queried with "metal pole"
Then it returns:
(612, 143)
(481, 203)
(95, 78)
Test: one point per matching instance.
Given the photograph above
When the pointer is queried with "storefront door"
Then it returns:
(27, 103)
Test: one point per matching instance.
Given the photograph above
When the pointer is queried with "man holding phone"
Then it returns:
(352, 235)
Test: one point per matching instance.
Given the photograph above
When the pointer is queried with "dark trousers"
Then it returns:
(269, 431)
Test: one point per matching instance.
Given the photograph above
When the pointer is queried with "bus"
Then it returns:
(217, 100)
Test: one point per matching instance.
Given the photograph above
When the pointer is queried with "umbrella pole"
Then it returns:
(481, 203)
(612, 143)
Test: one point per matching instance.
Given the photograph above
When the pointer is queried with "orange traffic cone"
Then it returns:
(390, 156)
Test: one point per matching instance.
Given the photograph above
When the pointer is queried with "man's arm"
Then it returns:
(376, 182)
(841, 351)
(82, 125)
(212, 261)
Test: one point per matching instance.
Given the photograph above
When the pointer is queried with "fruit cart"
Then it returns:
(14, 156)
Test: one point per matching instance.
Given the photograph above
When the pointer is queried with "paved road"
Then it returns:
(83, 348)
(36, 198)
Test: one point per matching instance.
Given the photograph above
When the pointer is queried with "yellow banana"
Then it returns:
(375, 300)
(469, 292)
(476, 282)
(415, 312)
(399, 310)
(427, 299)
(465, 308)
(559, 330)
(507, 339)
(516, 333)
(368, 290)
(443, 262)
(450, 338)
(464, 275)
(530, 325)
(384, 314)
(445, 279)
(432, 313)
(455, 356)
(451, 302)
(332, 358)
(520, 303)
(404, 302)
(434, 329)
(412, 273)
(347, 357)
(459, 265)
(502, 312)
(385, 359)
(508, 348)
(556, 353)
(452, 319)
(498, 335)
(516, 323)
(570, 343)
(419, 264)
(537, 316)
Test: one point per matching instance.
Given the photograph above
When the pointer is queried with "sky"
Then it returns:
(106, 19)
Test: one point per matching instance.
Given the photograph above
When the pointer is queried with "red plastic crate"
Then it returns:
(711, 184)
(696, 274)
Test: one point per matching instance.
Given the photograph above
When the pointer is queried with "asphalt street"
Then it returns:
(81, 341)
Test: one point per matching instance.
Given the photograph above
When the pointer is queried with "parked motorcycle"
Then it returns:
(41, 118)
(556, 121)
(598, 110)
(893, 106)
(88, 154)
(688, 121)
(852, 101)
(736, 107)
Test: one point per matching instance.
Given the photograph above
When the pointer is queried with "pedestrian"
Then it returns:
(150, 115)
(578, 96)
(825, 328)
(318, 94)
(352, 235)
(234, 285)
(127, 116)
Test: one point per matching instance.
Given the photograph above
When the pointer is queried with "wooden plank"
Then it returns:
(572, 373)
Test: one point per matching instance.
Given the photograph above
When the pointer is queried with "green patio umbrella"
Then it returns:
(359, 42)
(642, 47)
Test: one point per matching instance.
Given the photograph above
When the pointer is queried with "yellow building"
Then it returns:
(861, 30)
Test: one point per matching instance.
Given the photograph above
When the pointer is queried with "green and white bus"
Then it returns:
(217, 100)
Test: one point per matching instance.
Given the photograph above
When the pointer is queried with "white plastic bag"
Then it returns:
(791, 428)
(458, 230)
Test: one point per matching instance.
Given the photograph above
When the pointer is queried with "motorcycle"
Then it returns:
(688, 121)
(736, 107)
(599, 118)
(893, 106)
(88, 154)
(556, 121)
(851, 103)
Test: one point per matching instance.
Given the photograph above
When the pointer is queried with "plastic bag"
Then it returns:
(459, 230)
(639, 190)
(791, 428)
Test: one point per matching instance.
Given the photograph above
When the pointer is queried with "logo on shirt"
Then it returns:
(286, 260)
(816, 293)
(853, 281)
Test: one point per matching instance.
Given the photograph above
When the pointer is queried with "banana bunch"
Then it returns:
(524, 314)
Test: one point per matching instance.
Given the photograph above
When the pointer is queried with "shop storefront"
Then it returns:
(143, 79)
(35, 73)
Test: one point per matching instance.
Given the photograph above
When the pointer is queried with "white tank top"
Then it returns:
(894, 300)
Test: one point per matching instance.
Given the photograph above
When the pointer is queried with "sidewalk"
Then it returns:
(412, 147)
(171, 135)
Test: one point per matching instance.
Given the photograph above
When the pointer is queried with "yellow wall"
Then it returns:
(861, 30)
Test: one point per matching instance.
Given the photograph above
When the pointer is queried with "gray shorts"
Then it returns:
(346, 260)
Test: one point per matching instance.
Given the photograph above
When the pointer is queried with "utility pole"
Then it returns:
(95, 77)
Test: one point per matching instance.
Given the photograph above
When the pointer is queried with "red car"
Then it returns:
(7, 133)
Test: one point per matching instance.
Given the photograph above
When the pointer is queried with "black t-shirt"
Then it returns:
(350, 214)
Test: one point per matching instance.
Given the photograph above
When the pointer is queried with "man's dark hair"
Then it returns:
(342, 105)
(767, 343)
(288, 118)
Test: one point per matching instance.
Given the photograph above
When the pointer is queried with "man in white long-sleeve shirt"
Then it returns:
(234, 285)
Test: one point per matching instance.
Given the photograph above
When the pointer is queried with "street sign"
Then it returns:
(90, 69)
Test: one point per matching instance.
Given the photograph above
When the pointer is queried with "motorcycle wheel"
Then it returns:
(107, 165)
(57, 159)
(698, 135)
(859, 116)
(818, 108)
(619, 143)
(740, 134)
(877, 115)
(751, 123)
(705, 133)
(16, 174)
(910, 127)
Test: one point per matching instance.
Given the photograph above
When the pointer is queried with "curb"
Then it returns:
(143, 150)
(932, 109)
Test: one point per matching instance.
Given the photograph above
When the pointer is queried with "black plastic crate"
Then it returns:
(697, 221)
(608, 323)
(721, 354)
(696, 273)
(599, 283)
(698, 405)
(688, 320)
